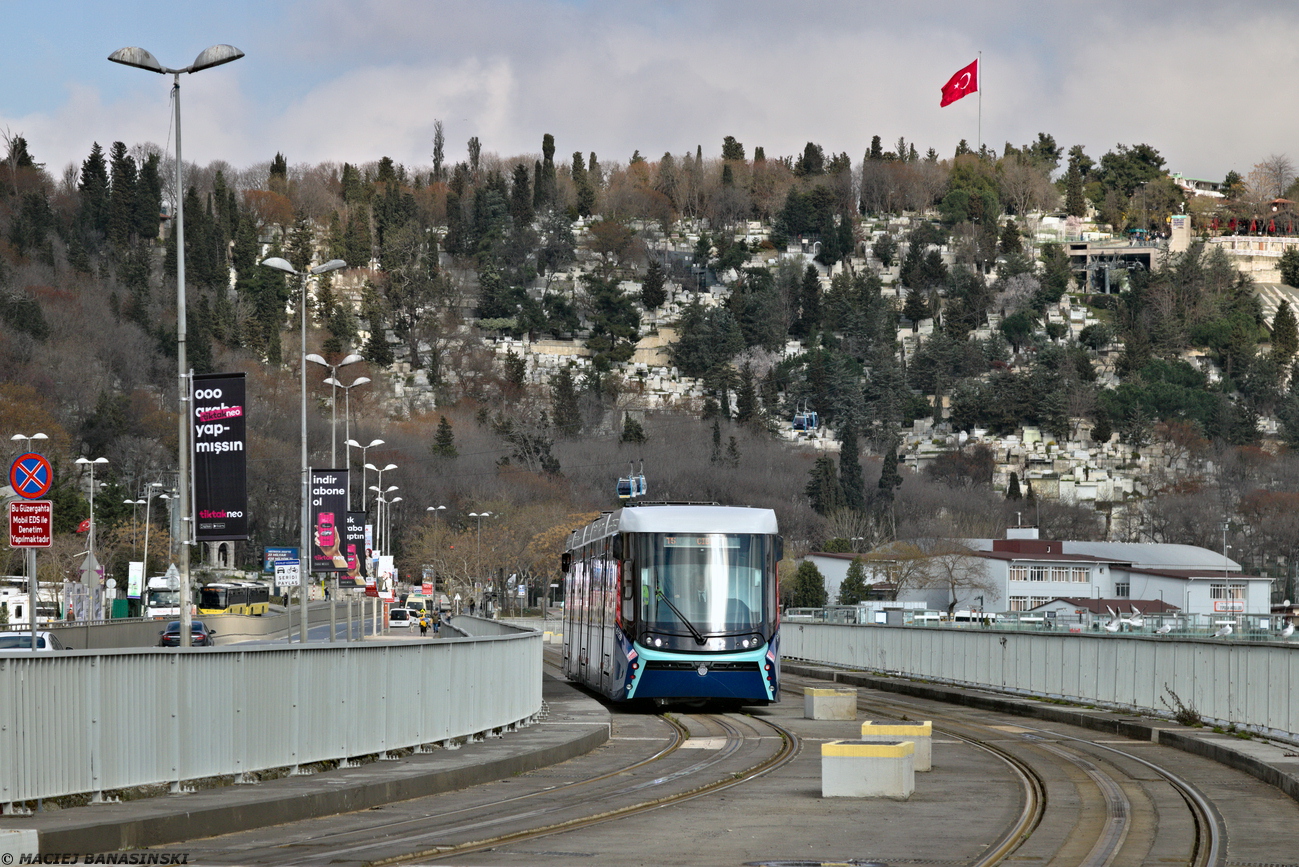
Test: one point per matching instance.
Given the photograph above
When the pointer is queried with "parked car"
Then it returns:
(23, 641)
(199, 635)
(401, 618)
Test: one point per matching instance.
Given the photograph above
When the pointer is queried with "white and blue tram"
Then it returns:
(675, 603)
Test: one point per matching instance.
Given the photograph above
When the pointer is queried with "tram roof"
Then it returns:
(679, 519)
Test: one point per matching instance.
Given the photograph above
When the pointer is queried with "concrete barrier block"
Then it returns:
(16, 842)
(855, 769)
(919, 733)
(837, 704)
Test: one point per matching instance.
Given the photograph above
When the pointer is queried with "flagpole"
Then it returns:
(980, 80)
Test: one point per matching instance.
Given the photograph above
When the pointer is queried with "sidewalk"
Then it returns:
(571, 724)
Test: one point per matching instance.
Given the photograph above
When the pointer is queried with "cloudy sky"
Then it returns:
(1210, 85)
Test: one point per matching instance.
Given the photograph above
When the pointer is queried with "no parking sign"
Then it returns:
(30, 476)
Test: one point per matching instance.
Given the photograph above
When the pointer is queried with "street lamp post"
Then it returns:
(90, 548)
(216, 55)
(304, 557)
(333, 383)
(381, 514)
(135, 514)
(347, 414)
(478, 553)
(31, 552)
(435, 510)
(351, 443)
(365, 507)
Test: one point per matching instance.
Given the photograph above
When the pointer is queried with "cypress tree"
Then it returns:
(1012, 489)
(564, 404)
(521, 198)
(1285, 333)
(850, 475)
(890, 478)
(652, 291)
(1074, 203)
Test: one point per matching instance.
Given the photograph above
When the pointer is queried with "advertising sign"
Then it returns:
(31, 523)
(274, 555)
(328, 520)
(134, 579)
(354, 547)
(220, 463)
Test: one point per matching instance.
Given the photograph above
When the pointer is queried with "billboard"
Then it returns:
(354, 548)
(328, 520)
(220, 462)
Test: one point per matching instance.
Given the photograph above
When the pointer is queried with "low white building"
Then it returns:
(1023, 573)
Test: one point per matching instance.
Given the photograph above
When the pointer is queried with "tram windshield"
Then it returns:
(702, 582)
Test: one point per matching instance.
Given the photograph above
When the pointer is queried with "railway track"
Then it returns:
(690, 755)
(1098, 835)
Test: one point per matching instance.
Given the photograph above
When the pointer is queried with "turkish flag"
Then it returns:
(84, 526)
(961, 84)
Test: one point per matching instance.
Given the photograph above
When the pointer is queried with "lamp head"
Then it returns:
(351, 359)
(331, 265)
(313, 357)
(390, 467)
(281, 265)
(360, 380)
(141, 59)
(375, 443)
(329, 380)
(215, 55)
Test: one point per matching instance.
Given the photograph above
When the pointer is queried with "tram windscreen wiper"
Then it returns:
(699, 637)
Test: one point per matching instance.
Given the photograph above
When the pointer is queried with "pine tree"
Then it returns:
(732, 453)
(632, 431)
(916, 306)
(444, 441)
(148, 199)
(564, 404)
(850, 475)
(809, 586)
(93, 185)
(854, 589)
(1012, 489)
(823, 489)
(652, 291)
(716, 456)
(746, 397)
(809, 317)
(521, 198)
(121, 198)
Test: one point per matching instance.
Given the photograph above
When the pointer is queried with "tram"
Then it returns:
(675, 603)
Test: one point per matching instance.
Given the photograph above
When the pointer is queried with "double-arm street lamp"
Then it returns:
(304, 558)
(353, 444)
(141, 59)
(333, 383)
(95, 590)
(347, 412)
(381, 514)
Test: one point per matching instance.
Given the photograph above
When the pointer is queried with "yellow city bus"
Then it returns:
(236, 597)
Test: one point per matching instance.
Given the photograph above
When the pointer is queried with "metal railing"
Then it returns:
(92, 722)
(1227, 682)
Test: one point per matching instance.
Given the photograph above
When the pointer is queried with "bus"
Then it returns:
(234, 597)
(675, 604)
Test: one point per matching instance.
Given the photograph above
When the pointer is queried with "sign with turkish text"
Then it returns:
(30, 476)
(354, 547)
(219, 435)
(287, 573)
(271, 556)
(328, 520)
(31, 524)
(1228, 605)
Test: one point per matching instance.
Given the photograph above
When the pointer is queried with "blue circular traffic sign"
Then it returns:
(31, 476)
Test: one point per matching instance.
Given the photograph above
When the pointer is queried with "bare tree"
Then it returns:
(1273, 176)
(956, 569)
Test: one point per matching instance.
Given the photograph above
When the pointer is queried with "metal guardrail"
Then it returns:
(1242, 683)
(92, 722)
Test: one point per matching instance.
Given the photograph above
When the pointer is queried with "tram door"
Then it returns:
(595, 613)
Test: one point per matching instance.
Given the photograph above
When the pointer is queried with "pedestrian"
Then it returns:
(471, 607)
(423, 626)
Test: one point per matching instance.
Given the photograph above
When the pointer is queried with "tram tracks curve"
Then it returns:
(1207, 849)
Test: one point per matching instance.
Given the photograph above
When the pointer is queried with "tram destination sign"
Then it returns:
(31, 524)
